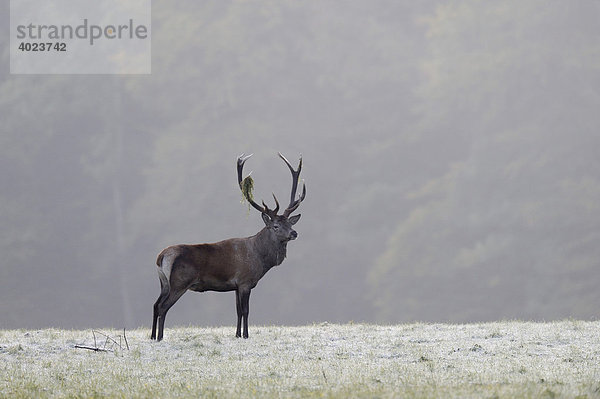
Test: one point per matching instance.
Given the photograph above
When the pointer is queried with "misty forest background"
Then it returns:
(451, 158)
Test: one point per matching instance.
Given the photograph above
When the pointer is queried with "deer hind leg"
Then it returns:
(155, 317)
(163, 308)
(165, 287)
(160, 299)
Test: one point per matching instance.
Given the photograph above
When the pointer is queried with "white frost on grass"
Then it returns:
(504, 359)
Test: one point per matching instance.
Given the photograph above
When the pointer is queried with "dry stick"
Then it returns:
(125, 336)
(95, 349)
(108, 338)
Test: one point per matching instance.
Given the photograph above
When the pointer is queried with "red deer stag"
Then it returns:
(236, 264)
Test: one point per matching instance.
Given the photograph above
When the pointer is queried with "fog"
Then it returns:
(450, 156)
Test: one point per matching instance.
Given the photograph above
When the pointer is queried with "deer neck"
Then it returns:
(271, 252)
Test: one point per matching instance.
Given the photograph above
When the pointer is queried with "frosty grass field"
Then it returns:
(503, 359)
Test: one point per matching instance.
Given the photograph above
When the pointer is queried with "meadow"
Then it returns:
(509, 359)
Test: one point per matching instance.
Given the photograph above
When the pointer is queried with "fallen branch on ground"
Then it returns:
(110, 344)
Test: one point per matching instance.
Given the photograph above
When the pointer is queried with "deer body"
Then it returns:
(222, 266)
(236, 264)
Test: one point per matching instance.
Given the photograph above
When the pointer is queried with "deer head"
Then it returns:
(279, 226)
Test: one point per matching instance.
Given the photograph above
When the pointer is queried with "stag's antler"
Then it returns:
(263, 209)
(294, 203)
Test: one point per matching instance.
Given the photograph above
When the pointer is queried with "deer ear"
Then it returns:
(294, 219)
(266, 218)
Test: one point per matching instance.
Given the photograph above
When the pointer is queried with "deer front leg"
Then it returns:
(238, 305)
(245, 299)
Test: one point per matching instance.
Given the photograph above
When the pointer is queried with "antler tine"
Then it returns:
(265, 206)
(292, 207)
(271, 212)
(295, 175)
(240, 166)
(294, 203)
(243, 157)
(276, 205)
(288, 162)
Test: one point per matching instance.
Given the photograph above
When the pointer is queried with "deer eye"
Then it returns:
(275, 227)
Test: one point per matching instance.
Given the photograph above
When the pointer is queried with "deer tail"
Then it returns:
(163, 275)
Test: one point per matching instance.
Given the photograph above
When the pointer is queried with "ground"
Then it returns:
(491, 360)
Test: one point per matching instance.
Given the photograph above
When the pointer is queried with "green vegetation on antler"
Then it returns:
(247, 187)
